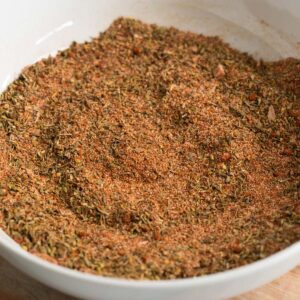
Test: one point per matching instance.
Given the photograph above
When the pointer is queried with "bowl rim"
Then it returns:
(279, 257)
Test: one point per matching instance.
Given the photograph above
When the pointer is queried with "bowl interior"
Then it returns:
(268, 29)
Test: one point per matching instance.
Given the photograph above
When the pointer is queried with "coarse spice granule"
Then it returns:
(153, 153)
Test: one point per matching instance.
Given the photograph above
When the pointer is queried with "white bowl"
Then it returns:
(268, 29)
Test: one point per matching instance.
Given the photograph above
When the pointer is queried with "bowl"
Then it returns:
(32, 29)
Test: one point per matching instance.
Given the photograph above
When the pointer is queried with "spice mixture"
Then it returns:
(151, 153)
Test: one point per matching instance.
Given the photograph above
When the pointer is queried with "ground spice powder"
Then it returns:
(153, 153)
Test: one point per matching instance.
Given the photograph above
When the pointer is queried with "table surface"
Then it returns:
(14, 285)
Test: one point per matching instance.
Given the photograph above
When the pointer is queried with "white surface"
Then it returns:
(31, 29)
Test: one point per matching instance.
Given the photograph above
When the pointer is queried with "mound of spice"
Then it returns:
(153, 153)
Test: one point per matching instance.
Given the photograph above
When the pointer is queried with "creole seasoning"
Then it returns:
(153, 153)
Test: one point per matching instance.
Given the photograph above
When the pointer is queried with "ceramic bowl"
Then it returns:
(32, 29)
